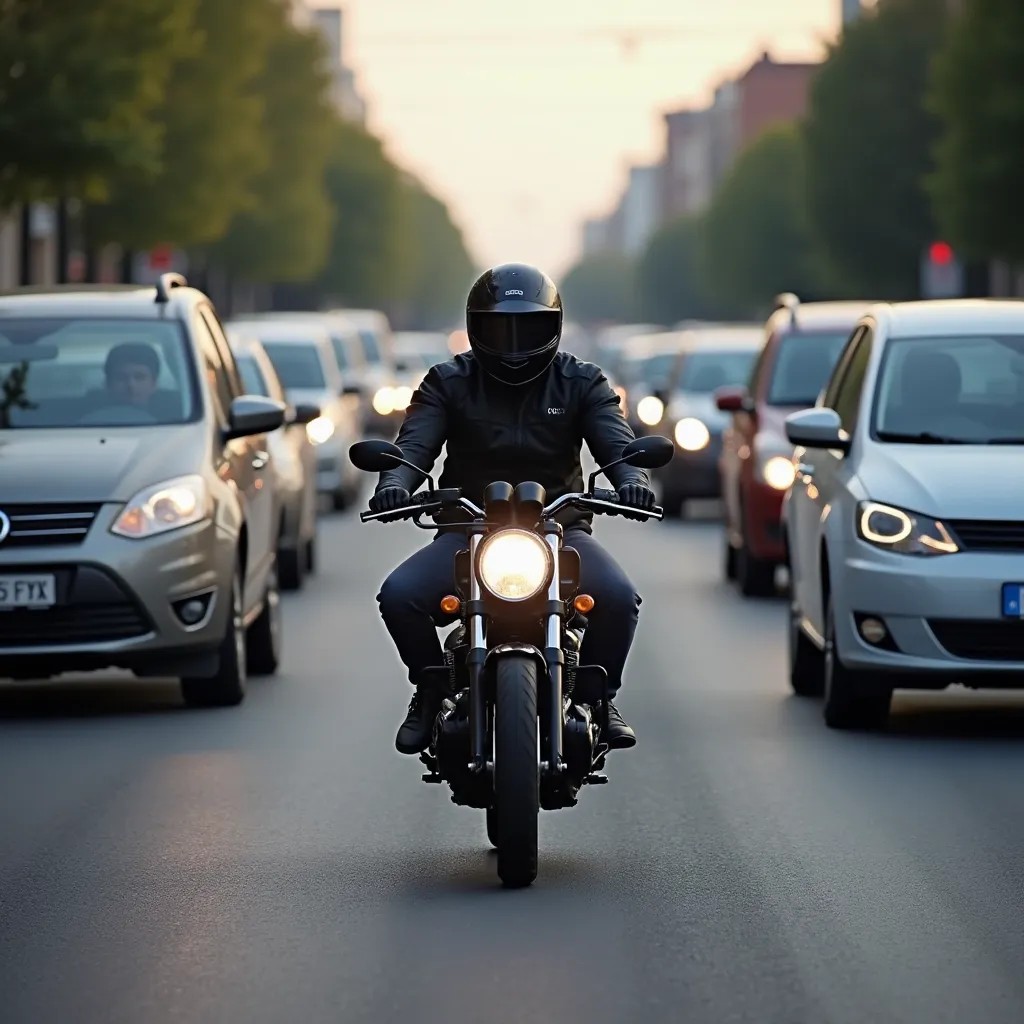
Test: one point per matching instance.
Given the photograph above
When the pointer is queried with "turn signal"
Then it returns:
(450, 604)
(584, 604)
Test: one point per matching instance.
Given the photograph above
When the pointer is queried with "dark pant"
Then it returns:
(410, 597)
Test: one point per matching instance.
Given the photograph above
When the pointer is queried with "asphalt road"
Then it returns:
(281, 862)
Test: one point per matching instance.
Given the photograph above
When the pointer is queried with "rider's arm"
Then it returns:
(606, 432)
(422, 434)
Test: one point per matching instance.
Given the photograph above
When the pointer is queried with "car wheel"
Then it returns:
(806, 662)
(728, 559)
(226, 687)
(263, 638)
(310, 551)
(290, 565)
(755, 576)
(851, 701)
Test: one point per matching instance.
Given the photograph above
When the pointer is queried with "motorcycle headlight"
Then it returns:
(649, 410)
(692, 435)
(778, 472)
(514, 565)
(904, 532)
(164, 507)
(320, 430)
(384, 401)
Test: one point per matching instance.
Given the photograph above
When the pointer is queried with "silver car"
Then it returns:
(136, 509)
(905, 522)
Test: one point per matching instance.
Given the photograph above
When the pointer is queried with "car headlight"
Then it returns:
(514, 565)
(384, 401)
(320, 430)
(400, 398)
(692, 435)
(163, 507)
(649, 410)
(778, 472)
(904, 532)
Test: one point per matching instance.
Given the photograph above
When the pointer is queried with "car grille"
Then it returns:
(85, 624)
(981, 639)
(47, 525)
(988, 534)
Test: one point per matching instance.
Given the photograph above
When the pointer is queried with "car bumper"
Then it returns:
(693, 474)
(943, 615)
(117, 600)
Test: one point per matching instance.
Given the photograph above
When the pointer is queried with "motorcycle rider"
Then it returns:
(514, 408)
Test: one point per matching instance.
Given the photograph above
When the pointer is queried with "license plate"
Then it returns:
(1013, 600)
(28, 591)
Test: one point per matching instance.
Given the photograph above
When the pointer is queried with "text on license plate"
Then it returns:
(1013, 600)
(28, 591)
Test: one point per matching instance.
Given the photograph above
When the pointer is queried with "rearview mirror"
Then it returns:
(375, 456)
(304, 413)
(817, 428)
(649, 452)
(732, 399)
(254, 414)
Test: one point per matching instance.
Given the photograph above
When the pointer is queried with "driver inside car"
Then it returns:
(515, 409)
(131, 373)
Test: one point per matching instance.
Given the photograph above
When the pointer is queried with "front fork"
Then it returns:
(554, 658)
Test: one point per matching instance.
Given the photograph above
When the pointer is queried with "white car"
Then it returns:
(905, 522)
(304, 359)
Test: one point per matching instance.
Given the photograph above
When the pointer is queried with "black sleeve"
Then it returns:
(607, 432)
(422, 434)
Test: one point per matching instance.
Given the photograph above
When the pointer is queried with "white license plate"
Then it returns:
(28, 591)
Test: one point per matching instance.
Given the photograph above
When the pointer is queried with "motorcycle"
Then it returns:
(521, 721)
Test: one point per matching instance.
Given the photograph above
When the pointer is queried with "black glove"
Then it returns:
(387, 499)
(638, 496)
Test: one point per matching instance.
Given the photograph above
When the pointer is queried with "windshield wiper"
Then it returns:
(925, 437)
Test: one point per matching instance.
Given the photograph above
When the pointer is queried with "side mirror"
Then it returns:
(733, 399)
(351, 389)
(254, 414)
(304, 413)
(817, 428)
(649, 452)
(375, 456)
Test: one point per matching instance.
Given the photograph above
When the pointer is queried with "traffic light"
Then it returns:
(942, 275)
(941, 253)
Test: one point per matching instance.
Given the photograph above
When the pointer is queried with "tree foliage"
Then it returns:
(978, 90)
(669, 274)
(600, 288)
(869, 142)
(79, 84)
(756, 241)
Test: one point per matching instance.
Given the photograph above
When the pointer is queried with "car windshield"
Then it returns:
(297, 365)
(340, 352)
(652, 369)
(964, 390)
(803, 365)
(371, 346)
(70, 372)
(704, 372)
(252, 377)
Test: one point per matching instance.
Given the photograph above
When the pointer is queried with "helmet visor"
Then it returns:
(514, 335)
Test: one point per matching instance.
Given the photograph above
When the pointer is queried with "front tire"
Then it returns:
(516, 770)
(492, 827)
(263, 637)
(851, 702)
(226, 687)
(806, 662)
(729, 560)
(290, 566)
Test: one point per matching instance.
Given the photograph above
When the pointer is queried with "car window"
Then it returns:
(836, 377)
(753, 382)
(298, 365)
(704, 372)
(216, 376)
(227, 355)
(67, 372)
(803, 364)
(252, 376)
(340, 352)
(848, 393)
(371, 346)
(963, 389)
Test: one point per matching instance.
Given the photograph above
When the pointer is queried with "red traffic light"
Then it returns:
(941, 253)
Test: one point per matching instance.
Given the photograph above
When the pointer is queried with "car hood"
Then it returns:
(95, 465)
(700, 406)
(955, 482)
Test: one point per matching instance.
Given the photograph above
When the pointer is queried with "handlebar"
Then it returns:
(602, 501)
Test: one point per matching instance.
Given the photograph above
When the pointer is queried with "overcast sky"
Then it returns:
(524, 116)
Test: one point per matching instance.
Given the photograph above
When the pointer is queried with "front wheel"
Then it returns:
(492, 827)
(851, 701)
(516, 770)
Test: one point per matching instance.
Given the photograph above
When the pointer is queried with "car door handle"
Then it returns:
(260, 459)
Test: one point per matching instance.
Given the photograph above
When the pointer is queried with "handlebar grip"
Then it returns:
(603, 494)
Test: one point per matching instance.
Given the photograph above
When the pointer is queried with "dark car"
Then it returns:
(802, 344)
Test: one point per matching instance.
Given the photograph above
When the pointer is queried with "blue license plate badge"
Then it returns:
(1013, 600)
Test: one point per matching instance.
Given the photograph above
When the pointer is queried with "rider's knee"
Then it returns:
(620, 599)
(397, 595)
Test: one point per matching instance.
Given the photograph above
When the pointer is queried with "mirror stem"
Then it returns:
(423, 473)
(603, 469)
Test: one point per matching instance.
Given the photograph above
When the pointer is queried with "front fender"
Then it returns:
(504, 650)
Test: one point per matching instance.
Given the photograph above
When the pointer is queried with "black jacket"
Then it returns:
(530, 432)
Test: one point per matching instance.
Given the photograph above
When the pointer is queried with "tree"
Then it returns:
(756, 242)
(79, 84)
(212, 117)
(600, 288)
(978, 90)
(365, 252)
(668, 273)
(869, 143)
(284, 233)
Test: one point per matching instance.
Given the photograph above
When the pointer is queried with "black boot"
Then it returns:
(619, 735)
(415, 732)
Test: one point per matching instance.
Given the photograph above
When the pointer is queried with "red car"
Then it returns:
(802, 345)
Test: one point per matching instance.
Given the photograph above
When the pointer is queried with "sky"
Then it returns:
(524, 117)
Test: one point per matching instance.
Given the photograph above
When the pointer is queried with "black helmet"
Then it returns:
(514, 321)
